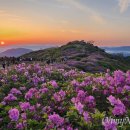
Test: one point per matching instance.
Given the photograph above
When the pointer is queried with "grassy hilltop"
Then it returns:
(82, 55)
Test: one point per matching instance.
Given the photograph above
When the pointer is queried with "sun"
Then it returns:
(2, 43)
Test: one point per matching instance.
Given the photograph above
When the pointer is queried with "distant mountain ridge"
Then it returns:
(125, 50)
(15, 52)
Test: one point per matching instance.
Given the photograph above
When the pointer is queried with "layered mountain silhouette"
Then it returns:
(16, 52)
(82, 55)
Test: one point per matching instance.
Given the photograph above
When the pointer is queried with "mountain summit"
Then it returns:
(82, 55)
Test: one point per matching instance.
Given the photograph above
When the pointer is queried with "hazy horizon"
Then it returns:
(35, 47)
(32, 47)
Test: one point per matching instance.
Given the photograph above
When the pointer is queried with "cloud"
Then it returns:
(84, 8)
(74, 31)
(124, 4)
(92, 14)
(9, 15)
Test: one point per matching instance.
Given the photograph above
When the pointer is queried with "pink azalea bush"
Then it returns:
(14, 114)
(45, 98)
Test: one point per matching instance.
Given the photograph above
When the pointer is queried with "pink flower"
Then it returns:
(90, 99)
(20, 126)
(112, 100)
(126, 87)
(54, 84)
(109, 125)
(24, 106)
(32, 108)
(75, 83)
(24, 116)
(59, 95)
(119, 110)
(62, 93)
(86, 116)
(14, 114)
(30, 93)
(43, 90)
(119, 107)
(10, 97)
(56, 120)
(119, 90)
(15, 91)
(81, 95)
(79, 107)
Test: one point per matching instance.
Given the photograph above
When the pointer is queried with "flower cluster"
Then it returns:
(56, 120)
(14, 114)
(119, 107)
(49, 98)
(59, 96)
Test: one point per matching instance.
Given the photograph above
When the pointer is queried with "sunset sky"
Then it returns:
(58, 21)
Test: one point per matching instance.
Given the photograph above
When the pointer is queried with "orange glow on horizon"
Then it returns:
(61, 21)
